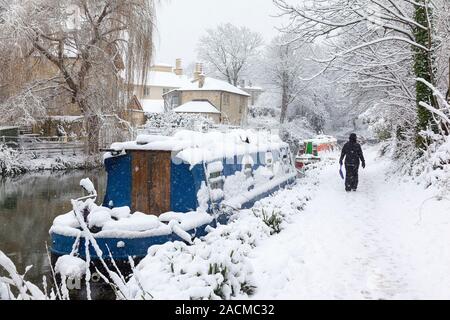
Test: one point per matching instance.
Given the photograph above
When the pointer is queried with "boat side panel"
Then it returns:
(118, 187)
(183, 195)
(120, 248)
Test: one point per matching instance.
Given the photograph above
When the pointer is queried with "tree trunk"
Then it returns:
(92, 125)
(448, 91)
(284, 102)
(423, 68)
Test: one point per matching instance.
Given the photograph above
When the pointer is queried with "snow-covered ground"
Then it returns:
(388, 240)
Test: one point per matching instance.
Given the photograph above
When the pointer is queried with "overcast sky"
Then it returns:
(182, 22)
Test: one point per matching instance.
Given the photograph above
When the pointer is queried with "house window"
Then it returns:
(146, 91)
(175, 100)
(242, 104)
(226, 99)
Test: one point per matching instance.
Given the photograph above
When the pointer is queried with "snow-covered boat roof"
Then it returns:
(196, 107)
(195, 147)
(212, 84)
(152, 105)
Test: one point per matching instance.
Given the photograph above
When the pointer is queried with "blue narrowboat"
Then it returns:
(162, 189)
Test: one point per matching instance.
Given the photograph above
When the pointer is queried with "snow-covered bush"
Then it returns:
(11, 162)
(170, 121)
(263, 111)
(433, 168)
(376, 119)
(293, 132)
(217, 266)
(13, 286)
(273, 219)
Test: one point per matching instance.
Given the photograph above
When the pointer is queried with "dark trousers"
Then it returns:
(351, 177)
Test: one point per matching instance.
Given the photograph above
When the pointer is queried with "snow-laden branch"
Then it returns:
(441, 99)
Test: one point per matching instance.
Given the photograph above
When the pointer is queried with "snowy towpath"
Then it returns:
(382, 242)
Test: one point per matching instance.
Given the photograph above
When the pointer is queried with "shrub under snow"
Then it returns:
(214, 268)
(218, 266)
(10, 161)
(13, 162)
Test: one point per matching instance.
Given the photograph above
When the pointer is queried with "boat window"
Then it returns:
(269, 160)
(215, 175)
(248, 170)
(247, 165)
(286, 160)
(216, 180)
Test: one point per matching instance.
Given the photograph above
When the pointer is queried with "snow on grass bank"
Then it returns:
(219, 266)
(13, 162)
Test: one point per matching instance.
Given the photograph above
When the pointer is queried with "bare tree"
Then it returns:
(228, 49)
(94, 47)
(284, 69)
(388, 44)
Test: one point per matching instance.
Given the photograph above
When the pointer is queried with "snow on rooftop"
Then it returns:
(196, 107)
(163, 79)
(254, 88)
(166, 79)
(212, 84)
(163, 64)
(152, 105)
(194, 147)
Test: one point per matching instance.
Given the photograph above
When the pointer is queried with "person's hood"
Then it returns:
(352, 138)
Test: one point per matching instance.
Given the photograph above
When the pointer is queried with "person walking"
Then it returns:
(353, 155)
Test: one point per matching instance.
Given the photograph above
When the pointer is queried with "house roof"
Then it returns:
(203, 106)
(166, 79)
(212, 84)
(152, 105)
(163, 79)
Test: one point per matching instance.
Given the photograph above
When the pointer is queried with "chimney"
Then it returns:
(201, 80)
(242, 83)
(178, 69)
(198, 71)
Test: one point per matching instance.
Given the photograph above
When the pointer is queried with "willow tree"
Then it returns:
(93, 47)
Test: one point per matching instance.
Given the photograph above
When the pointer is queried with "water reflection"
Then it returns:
(28, 205)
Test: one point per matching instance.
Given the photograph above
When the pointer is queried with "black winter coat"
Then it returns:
(353, 154)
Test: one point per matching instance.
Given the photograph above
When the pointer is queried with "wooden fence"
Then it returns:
(39, 145)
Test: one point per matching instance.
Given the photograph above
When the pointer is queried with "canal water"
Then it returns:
(28, 205)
